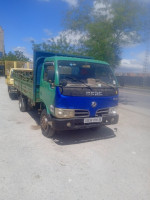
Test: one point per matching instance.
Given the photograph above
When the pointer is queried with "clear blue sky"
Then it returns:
(23, 20)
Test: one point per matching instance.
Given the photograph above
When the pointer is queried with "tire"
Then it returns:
(8, 89)
(46, 128)
(12, 96)
(22, 104)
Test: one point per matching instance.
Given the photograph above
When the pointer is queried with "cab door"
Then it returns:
(47, 88)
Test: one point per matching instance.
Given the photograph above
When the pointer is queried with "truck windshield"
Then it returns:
(86, 73)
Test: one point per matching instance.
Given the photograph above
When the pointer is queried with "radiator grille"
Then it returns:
(82, 113)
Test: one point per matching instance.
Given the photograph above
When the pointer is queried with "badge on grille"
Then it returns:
(93, 104)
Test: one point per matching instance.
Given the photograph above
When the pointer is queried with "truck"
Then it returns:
(8, 65)
(9, 69)
(71, 92)
(12, 91)
(10, 83)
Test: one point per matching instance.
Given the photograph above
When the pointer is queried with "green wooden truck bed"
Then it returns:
(23, 82)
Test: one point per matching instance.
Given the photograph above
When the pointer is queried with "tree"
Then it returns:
(109, 24)
(101, 43)
(105, 27)
(15, 56)
(57, 45)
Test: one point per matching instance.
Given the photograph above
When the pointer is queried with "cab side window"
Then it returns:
(45, 73)
(48, 67)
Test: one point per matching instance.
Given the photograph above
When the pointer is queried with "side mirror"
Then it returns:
(51, 76)
(63, 82)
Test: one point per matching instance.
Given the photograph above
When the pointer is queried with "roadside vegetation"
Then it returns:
(15, 56)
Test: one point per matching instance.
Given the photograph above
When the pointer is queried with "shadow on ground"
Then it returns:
(76, 136)
(82, 136)
(34, 114)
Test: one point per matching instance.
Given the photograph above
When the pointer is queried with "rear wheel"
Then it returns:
(22, 104)
(46, 124)
(8, 89)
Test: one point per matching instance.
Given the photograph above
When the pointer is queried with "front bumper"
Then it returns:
(78, 123)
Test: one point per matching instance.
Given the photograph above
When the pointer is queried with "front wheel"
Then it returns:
(46, 124)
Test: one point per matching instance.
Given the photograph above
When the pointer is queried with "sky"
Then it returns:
(38, 20)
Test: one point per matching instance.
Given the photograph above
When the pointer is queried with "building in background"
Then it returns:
(1, 42)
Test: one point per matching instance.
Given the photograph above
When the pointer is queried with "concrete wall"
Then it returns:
(134, 81)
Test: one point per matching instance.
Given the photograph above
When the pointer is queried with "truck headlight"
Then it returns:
(113, 110)
(64, 113)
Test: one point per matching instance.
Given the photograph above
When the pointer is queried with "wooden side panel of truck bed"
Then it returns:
(23, 82)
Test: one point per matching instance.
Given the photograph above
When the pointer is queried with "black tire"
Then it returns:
(8, 89)
(22, 104)
(12, 96)
(46, 128)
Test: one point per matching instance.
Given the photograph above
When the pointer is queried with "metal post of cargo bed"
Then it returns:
(15, 64)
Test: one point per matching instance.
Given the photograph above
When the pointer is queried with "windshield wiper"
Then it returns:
(76, 80)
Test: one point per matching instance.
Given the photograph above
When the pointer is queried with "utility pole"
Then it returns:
(146, 64)
(147, 55)
(147, 42)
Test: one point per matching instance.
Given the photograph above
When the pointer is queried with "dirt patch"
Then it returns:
(35, 127)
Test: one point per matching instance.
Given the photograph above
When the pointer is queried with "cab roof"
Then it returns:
(75, 59)
(47, 56)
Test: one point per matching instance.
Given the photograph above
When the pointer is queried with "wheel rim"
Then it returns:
(44, 123)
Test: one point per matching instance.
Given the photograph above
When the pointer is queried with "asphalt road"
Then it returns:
(111, 163)
(135, 97)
